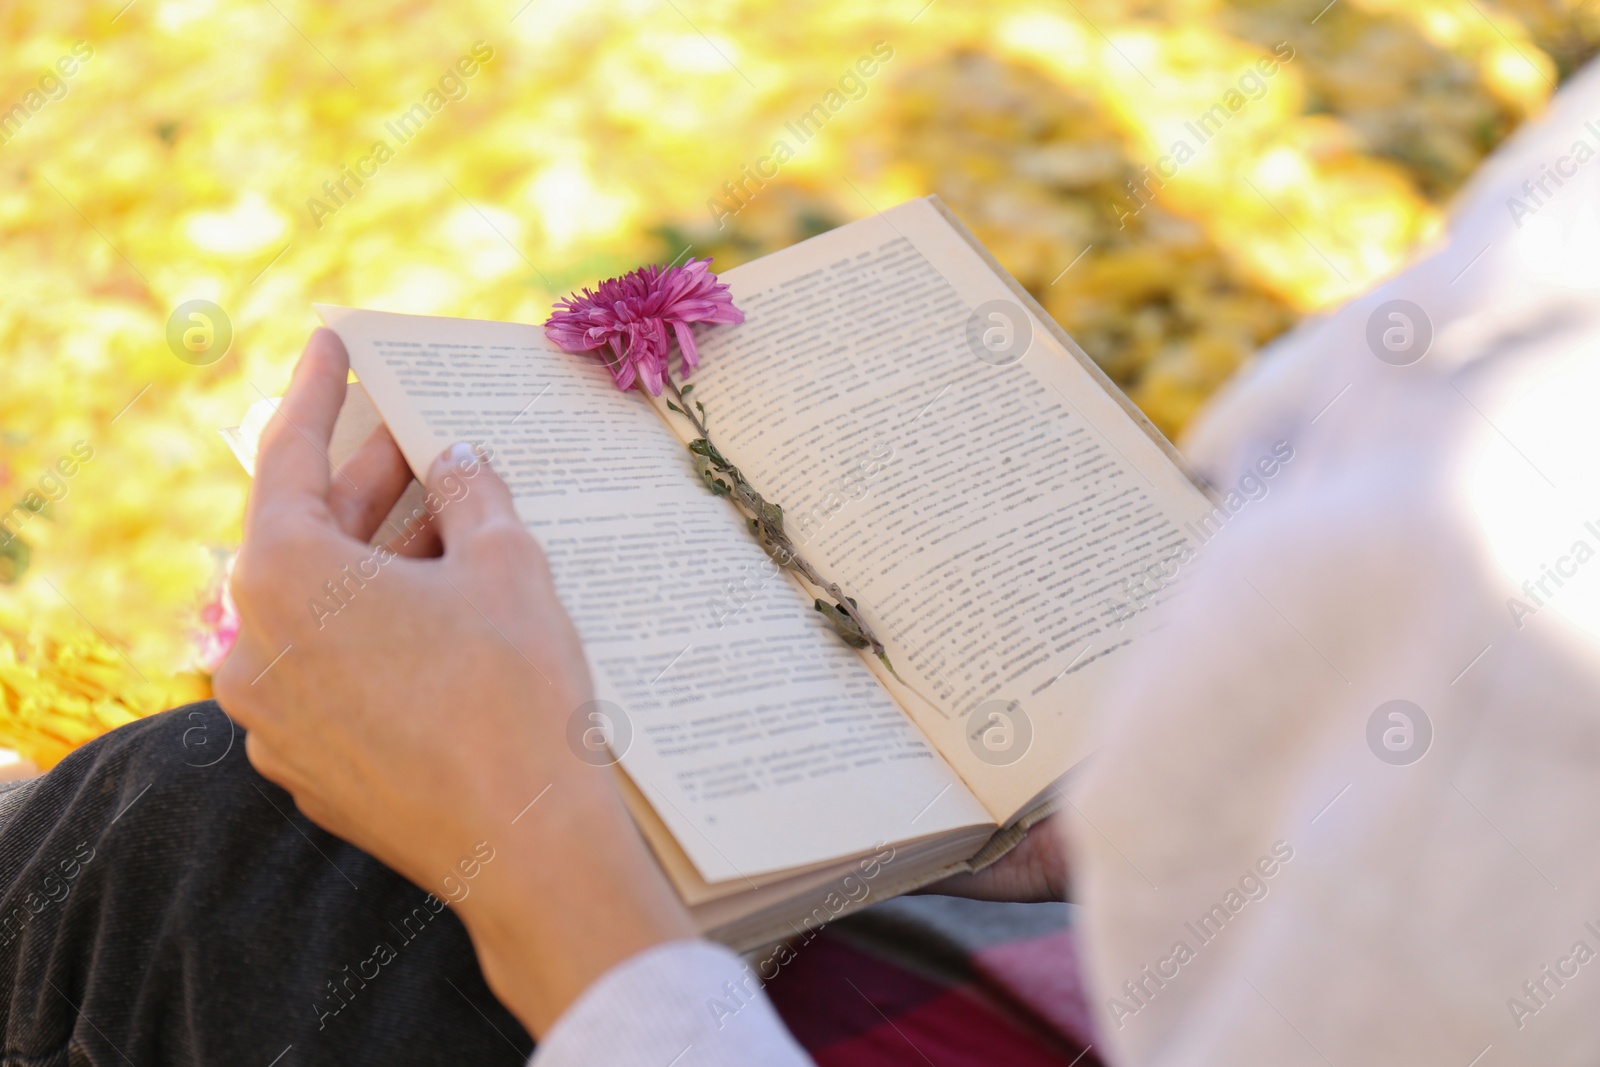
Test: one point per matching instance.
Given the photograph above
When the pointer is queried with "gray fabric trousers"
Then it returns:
(164, 904)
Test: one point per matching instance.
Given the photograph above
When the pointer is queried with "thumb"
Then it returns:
(466, 495)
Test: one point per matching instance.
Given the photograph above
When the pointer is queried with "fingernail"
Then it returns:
(459, 456)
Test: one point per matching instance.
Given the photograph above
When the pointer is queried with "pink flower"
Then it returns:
(221, 621)
(629, 316)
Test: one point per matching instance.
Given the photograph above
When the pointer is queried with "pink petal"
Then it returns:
(650, 375)
(689, 355)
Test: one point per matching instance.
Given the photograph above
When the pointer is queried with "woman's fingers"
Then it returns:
(466, 494)
(367, 485)
(291, 477)
(471, 496)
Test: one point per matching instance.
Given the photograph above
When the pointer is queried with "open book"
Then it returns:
(941, 449)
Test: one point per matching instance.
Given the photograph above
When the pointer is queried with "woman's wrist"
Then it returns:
(569, 898)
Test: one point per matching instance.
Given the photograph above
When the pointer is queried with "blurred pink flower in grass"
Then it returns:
(628, 317)
(220, 620)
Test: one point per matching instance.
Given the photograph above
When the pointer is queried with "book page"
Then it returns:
(983, 508)
(763, 746)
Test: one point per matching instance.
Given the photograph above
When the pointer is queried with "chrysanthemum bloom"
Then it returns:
(628, 318)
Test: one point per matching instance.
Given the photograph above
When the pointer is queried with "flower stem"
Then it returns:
(687, 409)
(768, 521)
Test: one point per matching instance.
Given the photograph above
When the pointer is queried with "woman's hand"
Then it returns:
(1034, 871)
(418, 707)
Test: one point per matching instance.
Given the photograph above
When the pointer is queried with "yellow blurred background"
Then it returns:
(226, 150)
